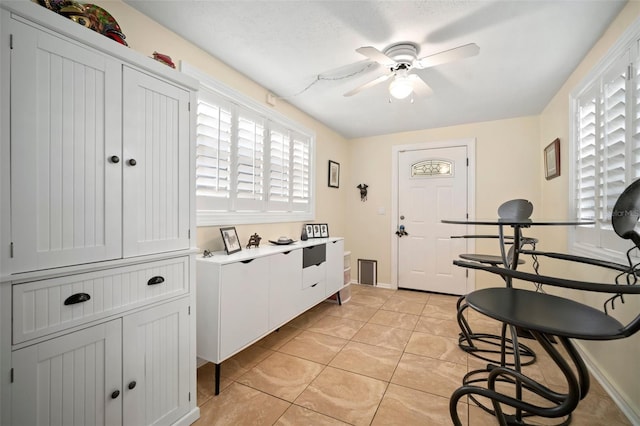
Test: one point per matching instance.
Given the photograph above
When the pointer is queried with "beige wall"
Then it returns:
(146, 36)
(507, 166)
(617, 360)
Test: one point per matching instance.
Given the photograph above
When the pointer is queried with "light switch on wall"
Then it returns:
(381, 211)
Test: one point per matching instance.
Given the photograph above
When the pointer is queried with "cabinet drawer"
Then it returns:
(314, 255)
(313, 294)
(314, 274)
(47, 306)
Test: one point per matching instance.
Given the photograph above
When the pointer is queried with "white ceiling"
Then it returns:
(527, 51)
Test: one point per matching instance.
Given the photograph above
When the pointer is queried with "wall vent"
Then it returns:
(368, 272)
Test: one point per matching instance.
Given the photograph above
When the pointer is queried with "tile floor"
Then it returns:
(385, 357)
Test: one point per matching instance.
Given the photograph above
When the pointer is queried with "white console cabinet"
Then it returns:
(246, 295)
(97, 264)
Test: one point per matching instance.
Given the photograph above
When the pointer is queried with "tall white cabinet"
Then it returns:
(97, 269)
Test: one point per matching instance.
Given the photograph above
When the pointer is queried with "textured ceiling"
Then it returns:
(304, 51)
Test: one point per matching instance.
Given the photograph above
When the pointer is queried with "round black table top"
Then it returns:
(545, 313)
(521, 222)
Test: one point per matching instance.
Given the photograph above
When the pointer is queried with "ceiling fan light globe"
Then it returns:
(400, 88)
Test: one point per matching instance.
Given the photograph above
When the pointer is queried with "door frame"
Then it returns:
(470, 144)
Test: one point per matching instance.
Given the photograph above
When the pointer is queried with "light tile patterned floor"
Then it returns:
(385, 357)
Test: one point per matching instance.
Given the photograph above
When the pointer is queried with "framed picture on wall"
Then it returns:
(334, 174)
(552, 160)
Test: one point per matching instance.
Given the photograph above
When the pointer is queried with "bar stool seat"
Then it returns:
(544, 312)
(486, 258)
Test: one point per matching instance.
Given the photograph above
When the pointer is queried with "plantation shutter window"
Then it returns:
(249, 161)
(253, 165)
(301, 171)
(280, 168)
(606, 148)
(213, 154)
(612, 158)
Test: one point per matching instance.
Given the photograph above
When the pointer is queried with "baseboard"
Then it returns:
(626, 409)
(188, 418)
(381, 285)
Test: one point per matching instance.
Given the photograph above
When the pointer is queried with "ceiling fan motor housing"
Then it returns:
(403, 53)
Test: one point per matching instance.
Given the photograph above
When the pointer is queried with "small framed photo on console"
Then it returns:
(317, 230)
(309, 228)
(230, 238)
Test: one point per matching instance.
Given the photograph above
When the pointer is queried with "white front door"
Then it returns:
(432, 185)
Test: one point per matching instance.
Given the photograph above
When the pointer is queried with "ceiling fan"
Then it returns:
(401, 59)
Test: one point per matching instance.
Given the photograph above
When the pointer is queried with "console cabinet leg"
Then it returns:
(217, 390)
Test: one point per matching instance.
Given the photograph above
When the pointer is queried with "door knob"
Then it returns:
(401, 231)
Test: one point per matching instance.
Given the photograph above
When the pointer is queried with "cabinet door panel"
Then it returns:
(156, 189)
(244, 314)
(156, 364)
(65, 125)
(284, 287)
(335, 266)
(69, 380)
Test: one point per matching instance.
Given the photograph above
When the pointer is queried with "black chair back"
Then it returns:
(515, 209)
(626, 213)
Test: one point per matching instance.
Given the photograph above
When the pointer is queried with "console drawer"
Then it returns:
(314, 274)
(314, 255)
(47, 306)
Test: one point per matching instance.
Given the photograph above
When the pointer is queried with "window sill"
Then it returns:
(600, 253)
(209, 218)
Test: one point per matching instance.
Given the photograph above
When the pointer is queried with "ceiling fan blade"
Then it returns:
(344, 71)
(375, 55)
(420, 86)
(372, 83)
(450, 55)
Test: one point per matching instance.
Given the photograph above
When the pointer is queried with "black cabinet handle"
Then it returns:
(155, 280)
(314, 285)
(115, 159)
(286, 252)
(77, 298)
(115, 394)
(132, 162)
(247, 261)
(132, 385)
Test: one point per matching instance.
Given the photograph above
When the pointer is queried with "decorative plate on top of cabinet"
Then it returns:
(88, 15)
(281, 242)
(103, 23)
